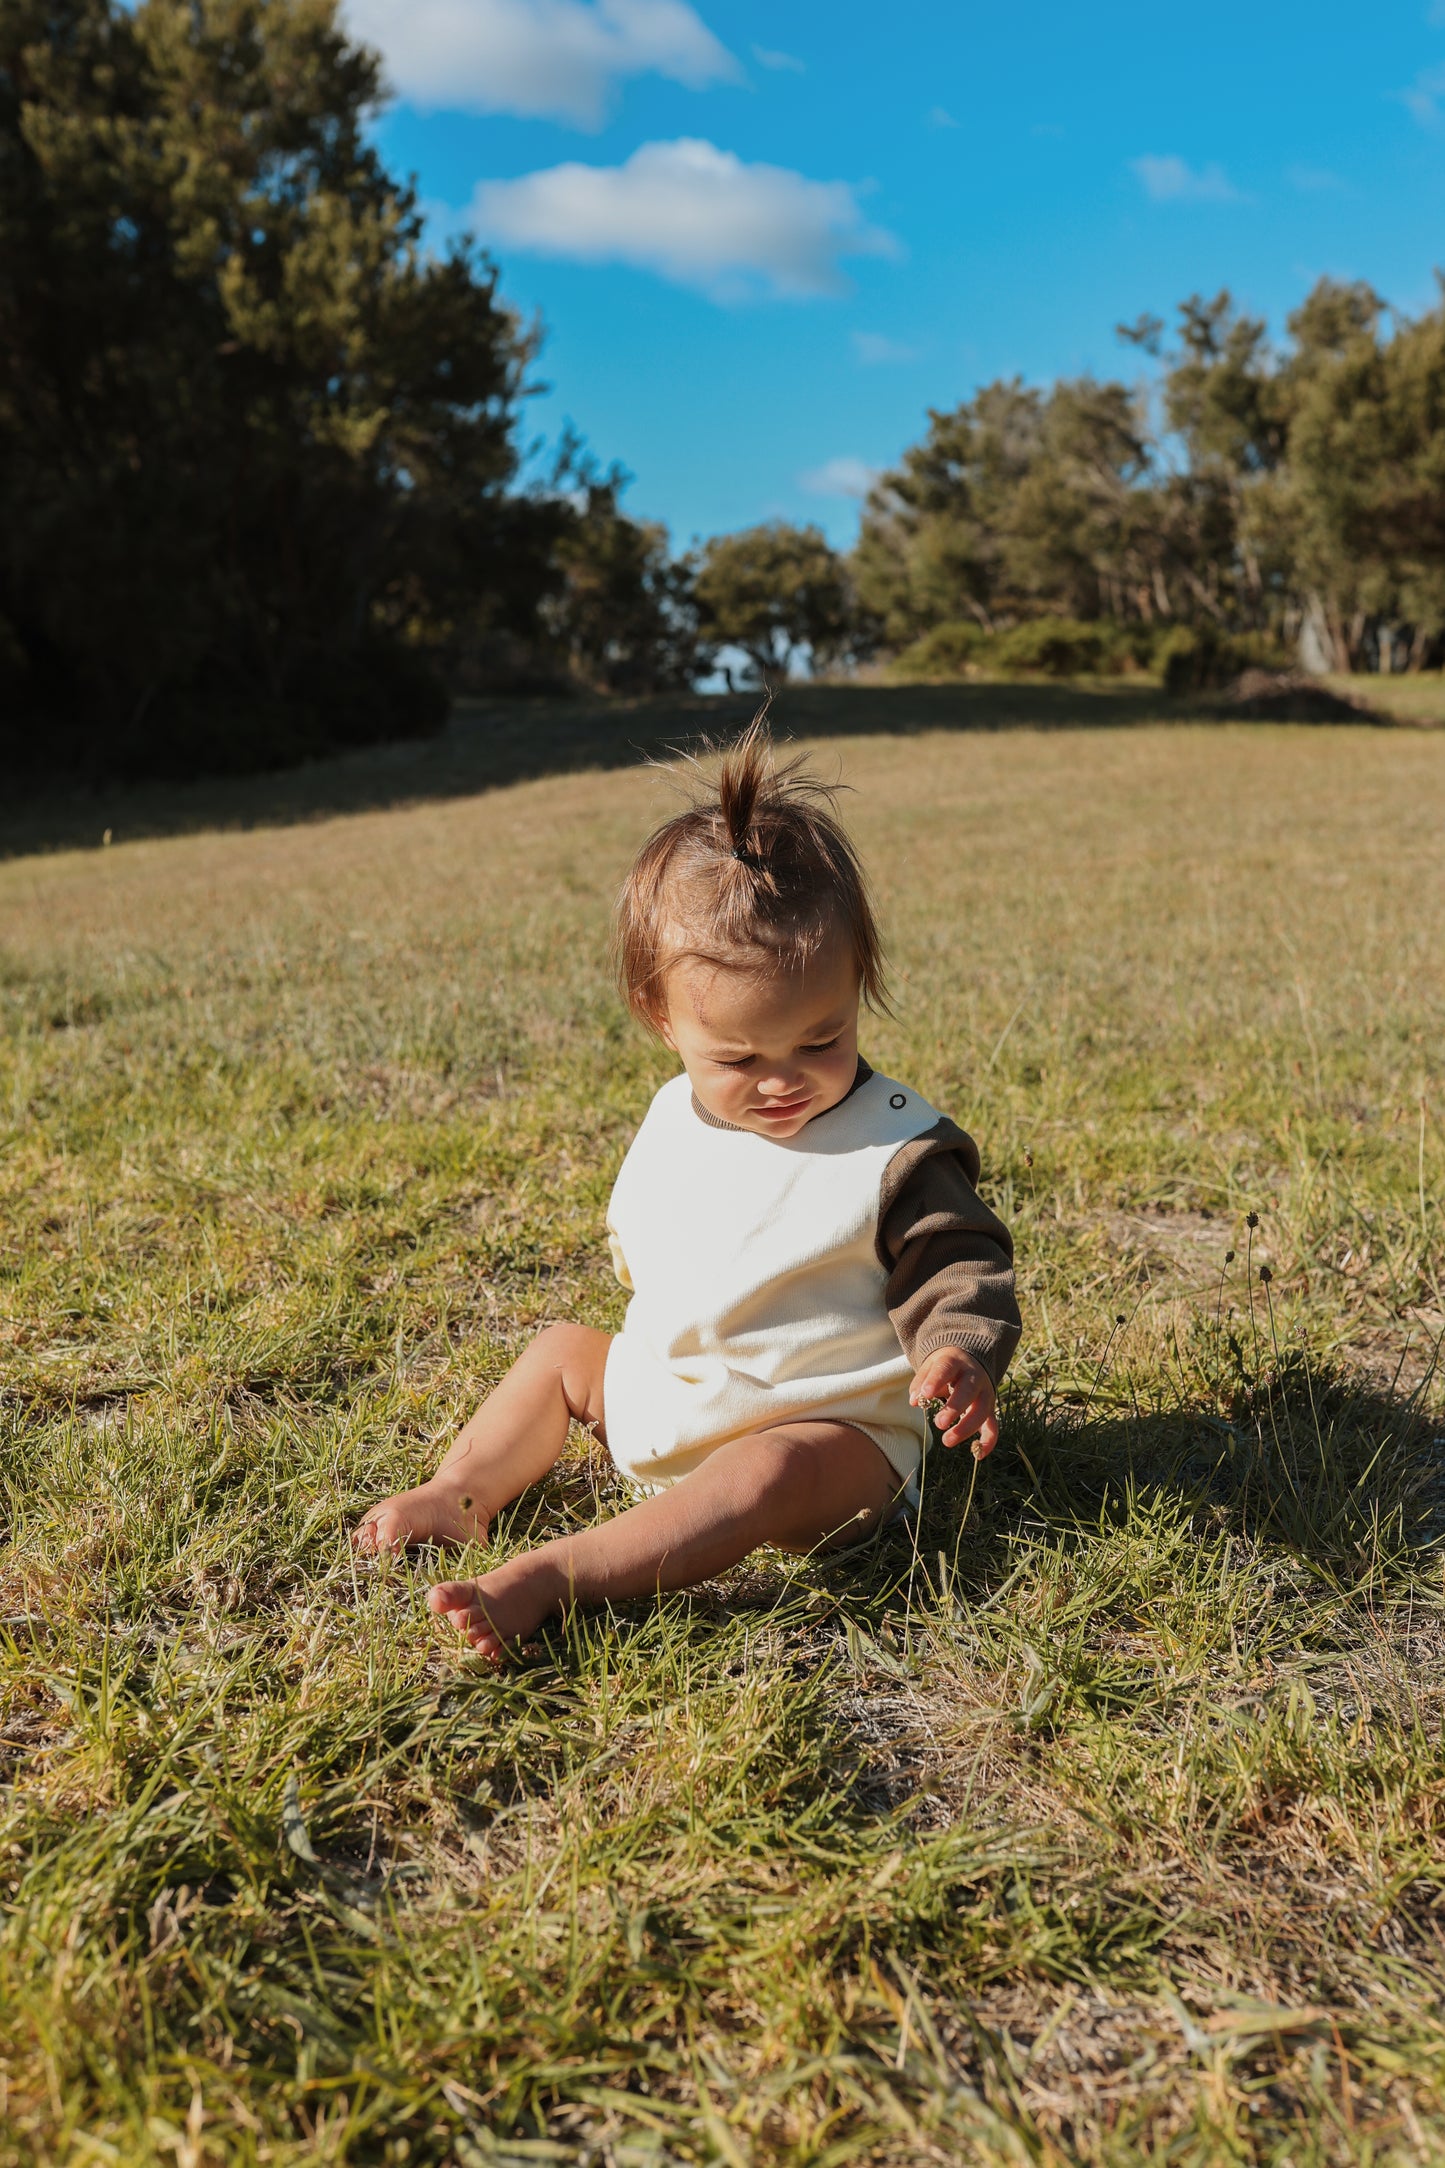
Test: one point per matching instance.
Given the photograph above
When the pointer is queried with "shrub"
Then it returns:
(331, 700)
(1202, 658)
(1055, 647)
(948, 650)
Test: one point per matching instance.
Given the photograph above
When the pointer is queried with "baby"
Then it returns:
(808, 1261)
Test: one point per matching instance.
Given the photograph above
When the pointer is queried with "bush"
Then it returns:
(1188, 658)
(331, 700)
(1056, 647)
(948, 650)
(1202, 658)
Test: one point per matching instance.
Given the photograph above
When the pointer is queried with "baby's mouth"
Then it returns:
(776, 1111)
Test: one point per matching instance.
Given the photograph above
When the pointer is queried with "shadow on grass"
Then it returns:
(488, 744)
(1344, 1476)
(1339, 1478)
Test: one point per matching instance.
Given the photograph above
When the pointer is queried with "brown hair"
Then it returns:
(757, 867)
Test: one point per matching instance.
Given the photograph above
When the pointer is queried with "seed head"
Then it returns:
(1251, 1219)
(1229, 1257)
(1121, 1319)
(1265, 1274)
(1028, 1158)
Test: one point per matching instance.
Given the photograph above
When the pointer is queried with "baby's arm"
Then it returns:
(950, 1289)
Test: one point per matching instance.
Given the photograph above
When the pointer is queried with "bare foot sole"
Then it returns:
(501, 1608)
(435, 1512)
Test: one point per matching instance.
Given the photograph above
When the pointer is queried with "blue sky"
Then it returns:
(764, 240)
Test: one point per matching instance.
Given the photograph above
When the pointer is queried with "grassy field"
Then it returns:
(1107, 1825)
(490, 743)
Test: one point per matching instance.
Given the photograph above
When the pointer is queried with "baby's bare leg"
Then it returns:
(515, 1436)
(803, 1487)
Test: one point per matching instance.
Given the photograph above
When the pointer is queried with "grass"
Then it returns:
(1123, 1840)
(1416, 696)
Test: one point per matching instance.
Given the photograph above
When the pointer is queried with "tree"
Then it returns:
(775, 591)
(622, 616)
(1365, 501)
(1290, 494)
(1016, 503)
(255, 443)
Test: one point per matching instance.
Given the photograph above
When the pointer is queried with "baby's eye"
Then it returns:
(740, 1063)
(824, 1047)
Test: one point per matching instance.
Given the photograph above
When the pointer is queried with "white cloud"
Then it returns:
(1422, 99)
(874, 349)
(841, 477)
(766, 57)
(692, 213)
(940, 117)
(1170, 180)
(558, 58)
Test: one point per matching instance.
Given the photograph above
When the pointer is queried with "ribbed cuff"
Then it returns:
(985, 1352)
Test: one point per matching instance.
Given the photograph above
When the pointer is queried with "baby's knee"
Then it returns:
(808, 1481)
(557, 1345)
(783, 1469)
(577, 1356)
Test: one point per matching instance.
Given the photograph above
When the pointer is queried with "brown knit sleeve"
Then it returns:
(949, 1259)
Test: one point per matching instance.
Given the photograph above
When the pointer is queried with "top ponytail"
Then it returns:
(757, 870)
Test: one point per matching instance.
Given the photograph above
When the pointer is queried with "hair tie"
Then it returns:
(743, 856)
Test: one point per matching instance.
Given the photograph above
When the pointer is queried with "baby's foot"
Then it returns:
(441, 1511)
(502, 1607)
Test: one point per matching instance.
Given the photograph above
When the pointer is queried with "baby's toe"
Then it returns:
(382, 1529)
(449, 1596)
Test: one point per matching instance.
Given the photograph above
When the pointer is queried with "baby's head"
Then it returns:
(746, 940)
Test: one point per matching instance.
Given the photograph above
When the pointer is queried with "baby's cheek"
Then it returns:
(837, 1081)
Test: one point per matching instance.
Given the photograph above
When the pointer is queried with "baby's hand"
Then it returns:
(966, 1389)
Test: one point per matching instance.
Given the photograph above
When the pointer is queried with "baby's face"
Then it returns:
(767, 1051)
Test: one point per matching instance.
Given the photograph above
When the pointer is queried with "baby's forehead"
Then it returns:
(729, 994)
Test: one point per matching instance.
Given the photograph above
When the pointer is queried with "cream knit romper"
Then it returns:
(757, 1287)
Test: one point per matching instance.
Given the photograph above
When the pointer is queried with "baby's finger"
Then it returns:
(969, 1419)
(933, 1382)
(988, 1437)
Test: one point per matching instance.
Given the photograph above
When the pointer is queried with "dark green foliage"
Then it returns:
(1065, 647)
(623, 617)
(1201, 658)
(1054, 646)
(254, 442)
(1287, 502)
(774, 590)
(1017, 504)
(949, 650)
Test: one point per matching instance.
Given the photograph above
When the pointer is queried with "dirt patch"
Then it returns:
(1271, 696)
(1170, 1250)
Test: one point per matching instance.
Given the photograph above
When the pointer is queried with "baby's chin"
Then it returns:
(788, 1125)
(764, 1125)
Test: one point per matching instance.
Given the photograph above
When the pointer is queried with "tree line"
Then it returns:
(263, 484)
(1277, 499)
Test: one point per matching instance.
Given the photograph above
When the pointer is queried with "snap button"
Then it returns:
(898, 1100)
